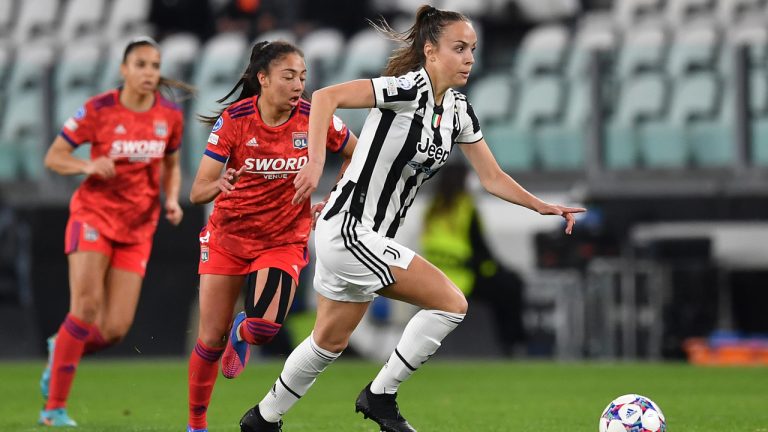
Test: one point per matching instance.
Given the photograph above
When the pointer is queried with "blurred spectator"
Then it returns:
(174, 16)
(254, 17)
(453, 241)
(346, 15)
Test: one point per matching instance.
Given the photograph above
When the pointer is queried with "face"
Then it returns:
(283, 85)
(141, 70)
(452, 59)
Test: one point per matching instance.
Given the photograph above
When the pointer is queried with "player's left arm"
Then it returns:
(500, 184)
(171, 184)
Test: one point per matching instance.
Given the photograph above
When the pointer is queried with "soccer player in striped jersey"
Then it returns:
(135, 134)
(254, 235)
(416, 121)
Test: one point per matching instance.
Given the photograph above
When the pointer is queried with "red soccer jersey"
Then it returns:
(258, 214)
(125, 208)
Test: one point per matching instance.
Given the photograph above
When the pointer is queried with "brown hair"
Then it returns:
(165, 82)
(428, 27)
(262, 55)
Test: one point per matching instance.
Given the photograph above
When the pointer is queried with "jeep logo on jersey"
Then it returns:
(138, 148)
(299, 140)
(275, 167)
(433, 151)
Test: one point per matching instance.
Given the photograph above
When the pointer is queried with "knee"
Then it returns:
(214, 338)
(329, 342)
(456, 303)
(114, 335)
(87, 308)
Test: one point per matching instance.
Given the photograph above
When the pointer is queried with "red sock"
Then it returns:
(66, 356)
(95, 342)
(203, 370)
(258, 331)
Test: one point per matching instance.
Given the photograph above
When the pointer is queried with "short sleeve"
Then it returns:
(177, 131)
(470, 127)
(80, 127)
(338, 135)
(391, 91)
(221, 138)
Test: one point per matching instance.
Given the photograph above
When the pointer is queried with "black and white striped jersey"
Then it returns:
(405, 140)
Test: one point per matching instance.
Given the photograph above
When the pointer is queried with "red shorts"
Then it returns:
(83, 237)
(215, 260)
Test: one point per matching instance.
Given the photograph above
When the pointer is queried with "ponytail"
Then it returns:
(428, 26)
(262, 56)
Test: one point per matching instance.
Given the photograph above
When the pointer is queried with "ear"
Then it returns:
(262, 77)
(123, 70)
(430, 51)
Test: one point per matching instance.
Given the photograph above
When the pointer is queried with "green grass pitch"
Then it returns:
(125, 396)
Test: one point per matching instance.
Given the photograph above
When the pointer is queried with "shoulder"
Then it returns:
(304, 107)
(167, 103)
(459, 96)
(101, 101)
(241, 108)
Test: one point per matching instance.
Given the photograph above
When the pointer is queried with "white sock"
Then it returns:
(301, 369)
(421, 338)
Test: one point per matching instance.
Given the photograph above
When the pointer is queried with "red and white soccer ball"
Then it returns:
(632, 413)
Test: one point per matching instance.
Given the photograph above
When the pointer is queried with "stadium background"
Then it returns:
(652, 113)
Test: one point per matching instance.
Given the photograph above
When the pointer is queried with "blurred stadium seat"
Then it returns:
(180, 51)
(128, 17)
(630, 13)
(491, 97)
(323, 48)
(7, 18)
(542, 51)
(643, 49)
(642, 99)
(366, 55)
(23, 127)
(36, 19)
(74, 78)
(218, 69)
(81, 18)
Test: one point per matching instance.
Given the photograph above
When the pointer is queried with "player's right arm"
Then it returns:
(210, 181)
(60, 159)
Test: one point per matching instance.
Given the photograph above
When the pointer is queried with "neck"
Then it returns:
(135, 101)
(270, 114)
(438, 89)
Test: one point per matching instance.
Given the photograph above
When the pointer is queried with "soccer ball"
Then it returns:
(632, 413)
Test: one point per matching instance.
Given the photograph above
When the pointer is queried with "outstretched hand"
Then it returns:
(229, 178)
(566, 212)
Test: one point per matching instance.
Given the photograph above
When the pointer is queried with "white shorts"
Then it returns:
(353, 262)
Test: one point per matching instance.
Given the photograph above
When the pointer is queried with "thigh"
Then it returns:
(218, 295)
(270, 294)
(424, 285)
(335, 322)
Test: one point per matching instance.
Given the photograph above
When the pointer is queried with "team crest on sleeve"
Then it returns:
(80, 114)
(219, 123)
(299, 140)
(71, 124)
(405, 83)
(204, 253)
(213, 139)
(161, 128)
